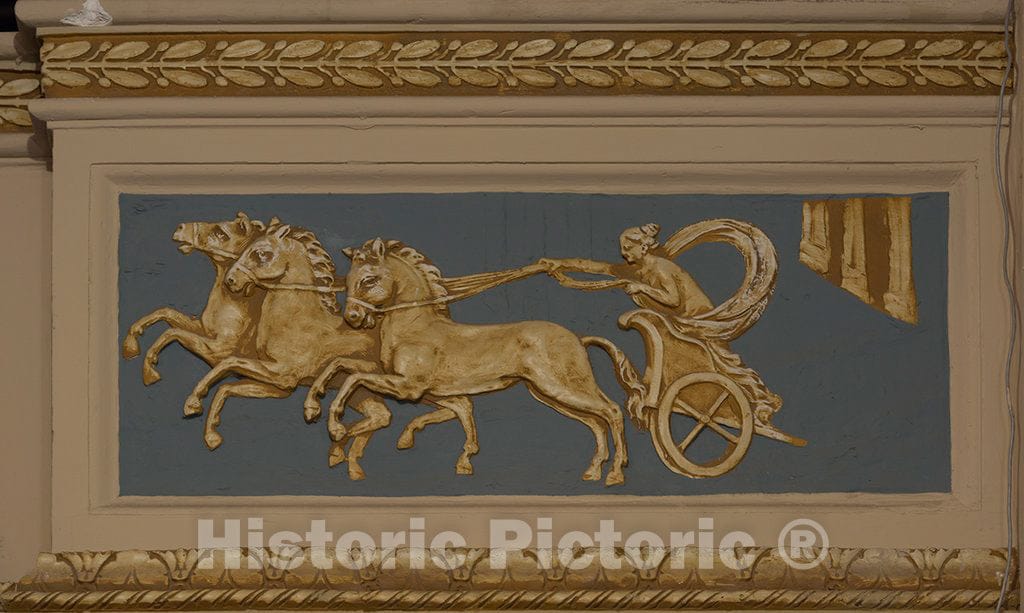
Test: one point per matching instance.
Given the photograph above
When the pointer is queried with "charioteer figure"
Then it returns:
(657, 284)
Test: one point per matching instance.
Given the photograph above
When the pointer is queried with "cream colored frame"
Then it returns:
(617, 152)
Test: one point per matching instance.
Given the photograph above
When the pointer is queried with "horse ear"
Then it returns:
(243, 222)
(349, 252)
(377, 248)
(282, 231)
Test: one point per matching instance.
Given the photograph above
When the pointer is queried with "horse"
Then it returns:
(297, 333)
(226, 325)
(424, 352)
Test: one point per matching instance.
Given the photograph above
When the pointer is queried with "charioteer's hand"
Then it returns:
(549, 264)
(635, 288)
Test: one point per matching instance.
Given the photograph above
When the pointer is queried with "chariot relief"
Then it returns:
(274, 324)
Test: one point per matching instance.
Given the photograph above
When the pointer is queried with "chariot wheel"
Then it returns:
(704, 425)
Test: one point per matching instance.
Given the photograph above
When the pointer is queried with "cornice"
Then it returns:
(135, 580)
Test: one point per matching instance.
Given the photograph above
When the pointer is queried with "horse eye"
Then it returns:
(219, 234)
(261, 256)
(368, 281)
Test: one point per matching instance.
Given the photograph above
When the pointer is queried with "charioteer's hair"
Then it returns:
(648, 234)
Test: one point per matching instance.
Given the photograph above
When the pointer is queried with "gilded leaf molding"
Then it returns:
(933, 579)
(523, 63)
(16, 89)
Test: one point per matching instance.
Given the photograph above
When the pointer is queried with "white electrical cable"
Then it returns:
(1008, 235)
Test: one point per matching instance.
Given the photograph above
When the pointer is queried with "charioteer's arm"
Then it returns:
(668, 297)
(660, 287)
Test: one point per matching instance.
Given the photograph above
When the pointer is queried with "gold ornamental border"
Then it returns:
(16, 89)
(523, 63)
(464, 579)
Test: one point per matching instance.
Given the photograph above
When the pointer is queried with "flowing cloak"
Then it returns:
(714, 327)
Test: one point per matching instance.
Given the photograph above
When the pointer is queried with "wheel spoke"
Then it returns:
(718, 403)
(732, 438)
(690, 437)
(682, 408)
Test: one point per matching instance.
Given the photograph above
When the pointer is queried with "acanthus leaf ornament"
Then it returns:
(872, 578)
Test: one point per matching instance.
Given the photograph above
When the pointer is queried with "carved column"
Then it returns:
(854, 268)
(814, 246)
(900, 299)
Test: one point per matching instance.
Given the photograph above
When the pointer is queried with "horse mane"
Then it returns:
(430, 273)
(322, 265)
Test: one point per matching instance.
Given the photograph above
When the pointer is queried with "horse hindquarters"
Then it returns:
(559, 374)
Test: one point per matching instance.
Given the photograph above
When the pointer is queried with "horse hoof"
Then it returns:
(193, 407)
(130, 347)
(337, 431)
(614, 478)
(406, 441)
(311, 412)
(355, 473)
(337, 455)
(149, 374)
(213, 440)
(463, 468)
(594, 474)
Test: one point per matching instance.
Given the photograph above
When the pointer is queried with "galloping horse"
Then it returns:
(297, 333)
(424, 352)
(227, 324)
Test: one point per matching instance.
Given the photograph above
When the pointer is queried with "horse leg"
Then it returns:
(396, 386)
(437, 416)
(207, 349)
(246, 367)
(462, 406)
(376, 415)
(247, 389)
(311, 407)
(594, 470)
(176, 319)
(595, 403)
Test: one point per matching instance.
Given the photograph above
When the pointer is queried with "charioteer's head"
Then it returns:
(635, 243)
(223, 240)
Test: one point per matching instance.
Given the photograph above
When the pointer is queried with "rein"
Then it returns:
(211, 250)
(302, 287)
(404, 305)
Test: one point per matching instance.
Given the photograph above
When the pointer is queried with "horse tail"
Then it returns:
(628, 378)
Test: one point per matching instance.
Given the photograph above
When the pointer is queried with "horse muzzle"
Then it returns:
(359, 317)
(239, 281)
(185, 235)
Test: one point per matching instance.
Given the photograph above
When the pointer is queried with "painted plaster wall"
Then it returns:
(25, 366)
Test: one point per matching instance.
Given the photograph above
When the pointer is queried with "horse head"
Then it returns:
(369, 285)
(287, 255)
(388, 274)
(223, 240)
(265, 260)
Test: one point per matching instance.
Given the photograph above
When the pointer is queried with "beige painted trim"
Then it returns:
(795, 14)
(477, 110)
(635, 159)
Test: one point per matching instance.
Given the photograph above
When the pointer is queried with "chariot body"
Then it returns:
(686, 396)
